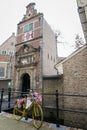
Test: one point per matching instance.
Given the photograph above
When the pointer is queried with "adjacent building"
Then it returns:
(7, 51)
(74, 87)
(75, 83)
(74, 69)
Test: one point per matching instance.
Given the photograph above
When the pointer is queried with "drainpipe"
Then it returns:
(41, 58)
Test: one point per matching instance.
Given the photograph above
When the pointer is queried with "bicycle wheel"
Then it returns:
(18, 113)
(37, 116)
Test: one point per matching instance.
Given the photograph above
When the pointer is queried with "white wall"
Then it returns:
(49, 50)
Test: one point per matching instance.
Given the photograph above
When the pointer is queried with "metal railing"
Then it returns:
(8, 96)
(64, 109)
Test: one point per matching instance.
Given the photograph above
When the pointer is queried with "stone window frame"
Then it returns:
(2, 72)
(4, 52)
(11, 53)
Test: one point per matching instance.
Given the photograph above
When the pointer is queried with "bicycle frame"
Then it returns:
(30, 104)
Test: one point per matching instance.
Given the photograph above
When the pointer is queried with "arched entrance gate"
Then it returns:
(25, 82)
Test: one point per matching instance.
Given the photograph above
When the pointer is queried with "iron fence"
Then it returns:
(9, 95)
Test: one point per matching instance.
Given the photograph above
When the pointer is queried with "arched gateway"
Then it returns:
(25, 82)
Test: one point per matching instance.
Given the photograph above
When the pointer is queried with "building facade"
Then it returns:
(75, 83)
(36, 51)
(74, 88)
(7, 51)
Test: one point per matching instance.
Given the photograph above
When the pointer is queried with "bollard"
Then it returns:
(2, 91)
(57, 108)
(9, 97)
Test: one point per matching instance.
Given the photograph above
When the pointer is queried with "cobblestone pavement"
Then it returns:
(8, 123)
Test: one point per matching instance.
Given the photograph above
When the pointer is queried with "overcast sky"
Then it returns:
(60, 14)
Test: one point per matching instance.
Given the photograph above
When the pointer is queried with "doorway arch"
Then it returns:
(25, 82)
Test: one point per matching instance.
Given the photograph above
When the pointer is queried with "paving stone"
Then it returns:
(7, 122)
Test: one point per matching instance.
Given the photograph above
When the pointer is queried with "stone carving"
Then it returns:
(26, 49)
(24, 61)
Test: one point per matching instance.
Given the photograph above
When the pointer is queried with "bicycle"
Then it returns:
(22, 108)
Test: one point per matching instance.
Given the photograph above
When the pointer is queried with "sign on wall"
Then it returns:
(28, 36)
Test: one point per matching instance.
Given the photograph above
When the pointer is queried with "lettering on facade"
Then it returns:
(28, 36)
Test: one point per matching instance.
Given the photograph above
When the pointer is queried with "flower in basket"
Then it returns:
(15, 102)
(38, 97)
(19, 102)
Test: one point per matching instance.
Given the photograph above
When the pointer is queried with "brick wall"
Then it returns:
(75, 82)
(4, 84)
(50, 85)
(75, 73)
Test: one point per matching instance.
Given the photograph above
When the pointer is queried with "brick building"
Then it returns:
(7, 51)
(74, 82)
(36, 51)
(75, 78)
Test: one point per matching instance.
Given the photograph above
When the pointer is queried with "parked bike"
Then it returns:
(24, 105)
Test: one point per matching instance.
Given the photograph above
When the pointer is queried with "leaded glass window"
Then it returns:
(3, 52)
(2, 72)
(11, 53)
(31, 27)
(28, 27)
